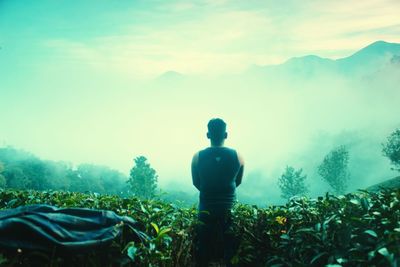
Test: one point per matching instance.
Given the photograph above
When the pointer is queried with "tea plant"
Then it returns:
(359, 229)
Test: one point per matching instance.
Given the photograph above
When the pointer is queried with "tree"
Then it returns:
(334, 169)
(143, 179)
(89, 179)
(3, 181)
(57, 175)
(35, 171)
(16, 178)
(391, 148)
(292, 183)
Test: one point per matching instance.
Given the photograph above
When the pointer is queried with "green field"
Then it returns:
(360, 229)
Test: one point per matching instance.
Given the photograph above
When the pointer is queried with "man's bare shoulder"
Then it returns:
(240, 158)
(195, 157)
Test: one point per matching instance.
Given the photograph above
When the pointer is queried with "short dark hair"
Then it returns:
(216, 129)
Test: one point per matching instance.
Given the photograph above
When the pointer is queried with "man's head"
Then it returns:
(216, 131)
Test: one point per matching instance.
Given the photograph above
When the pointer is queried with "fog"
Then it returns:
(144, 78)
(291, 119)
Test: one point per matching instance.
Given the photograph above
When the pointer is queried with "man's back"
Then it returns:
(218, 173)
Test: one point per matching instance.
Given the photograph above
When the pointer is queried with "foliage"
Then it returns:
(180, 198)
(170, 229)
(292, 183)
(334, 169)
(23, 170)
(391, 148)
(360, 229)
(143, 179)
(3, 181)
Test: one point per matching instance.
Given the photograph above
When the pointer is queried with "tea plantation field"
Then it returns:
(358, 229)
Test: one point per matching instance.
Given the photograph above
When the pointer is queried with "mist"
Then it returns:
(291, 118)
(143, 78)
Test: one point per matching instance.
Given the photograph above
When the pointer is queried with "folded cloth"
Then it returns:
(46, 227)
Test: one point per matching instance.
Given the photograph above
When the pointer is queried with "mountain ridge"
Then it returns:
(367, 60)
(377, 47)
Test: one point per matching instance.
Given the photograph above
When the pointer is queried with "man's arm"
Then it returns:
(239, 176)
(195, 171)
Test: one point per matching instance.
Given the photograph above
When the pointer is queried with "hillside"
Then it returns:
(388, 184)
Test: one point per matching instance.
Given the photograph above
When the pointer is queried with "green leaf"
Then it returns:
(341, 260)
(371, 233)
(142, 208)
(317, 257)
(127, 246)
(355, 201)
(11, 203)
(132, 252)
(384, 252)
(371, 255)
(365, 204)
(164, 231)
(285, 236)
(235, 259)
(357, 219)
(155, 227)
(306, 230)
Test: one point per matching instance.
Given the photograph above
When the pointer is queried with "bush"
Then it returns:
(360, 229)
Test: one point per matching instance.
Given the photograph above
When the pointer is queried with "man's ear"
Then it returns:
(226, 135)
(208, 135)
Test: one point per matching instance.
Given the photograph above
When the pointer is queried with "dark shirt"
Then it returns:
(216, 172)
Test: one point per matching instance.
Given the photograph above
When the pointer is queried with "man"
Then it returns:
(216, 172)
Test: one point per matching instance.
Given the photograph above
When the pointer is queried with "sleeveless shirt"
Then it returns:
(218, 168)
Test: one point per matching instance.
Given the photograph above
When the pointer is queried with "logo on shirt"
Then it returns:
(218, 159)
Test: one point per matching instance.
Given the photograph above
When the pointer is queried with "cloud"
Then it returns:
(217, 37)
(328, 27)
(215, 44)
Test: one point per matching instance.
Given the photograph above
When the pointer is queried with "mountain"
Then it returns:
(170, 76)
(368, 60)
(308, 65)
(379, 59)
(373, 51)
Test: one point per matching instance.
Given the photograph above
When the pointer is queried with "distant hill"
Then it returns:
(376, 58)
(379, 49)
(377, 62)
(391, 183)
(170, 76)
(368, 60)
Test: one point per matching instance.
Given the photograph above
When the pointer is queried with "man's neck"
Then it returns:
(217, 144)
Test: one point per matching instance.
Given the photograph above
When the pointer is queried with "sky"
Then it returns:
(83, 81)
(143, 39)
